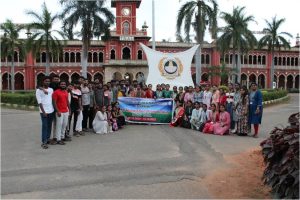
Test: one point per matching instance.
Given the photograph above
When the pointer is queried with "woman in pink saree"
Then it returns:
(178, 115)
(223, 125)
(212, 120)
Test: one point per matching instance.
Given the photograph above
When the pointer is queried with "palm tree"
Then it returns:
(93, 16)
(198, 14)
(44, 37)
(9, 43)
(236, 36)
(220, 71)
(274, 40)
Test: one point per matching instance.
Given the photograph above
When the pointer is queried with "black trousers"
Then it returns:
(85, 113)
(75, 113)
(91, 117)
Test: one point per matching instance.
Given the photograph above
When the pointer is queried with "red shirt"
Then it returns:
(61, 99)
(149, 94)
(223, 99)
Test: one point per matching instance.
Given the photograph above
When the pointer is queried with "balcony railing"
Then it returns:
(128, 62)
(8, 64)
(68, 64)
(287, 67)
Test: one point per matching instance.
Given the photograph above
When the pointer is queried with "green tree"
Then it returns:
(221, 71)
(198, 14)
(236, 36)
(274, 40)
(10, 42)
(94, 19)
(44, 37)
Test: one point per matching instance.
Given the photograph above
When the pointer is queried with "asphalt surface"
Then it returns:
(140, 161)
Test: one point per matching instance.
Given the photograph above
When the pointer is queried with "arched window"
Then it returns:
(100, 57)
(72, 59)
(90, 56)
(202, 58)
(292, 61)
(15, 56)
(67, 58)
(259, 60)
(140, 55)
(112, 54)
(288, 61)
(226, 59)
(38, 57)
(250, 59)
(126, 28)
(284, 61)
(43, 57)
(254, 59)
(207, 59)
(230, 59)
(61, 57)
(78, 57)
(296, 61)
(275, 61)
(245, 59)
(126, 53)
(95, 57)
(279, 61)
(263, 60)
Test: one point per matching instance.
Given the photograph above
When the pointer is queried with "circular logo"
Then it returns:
(170, 67)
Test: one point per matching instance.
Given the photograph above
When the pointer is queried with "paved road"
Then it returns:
(137, 162)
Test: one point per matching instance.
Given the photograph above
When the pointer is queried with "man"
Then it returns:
(114, 92)
(85, 103)
(99, 95)
(62, 108)
(46, 110)
(167, 93)
(207, 96)
(198, 95)
(229, 104)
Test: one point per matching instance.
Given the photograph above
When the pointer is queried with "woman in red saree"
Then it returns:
(178, 115)
(213, 119)
(223, 125)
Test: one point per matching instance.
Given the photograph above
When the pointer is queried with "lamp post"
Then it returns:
(153, 25)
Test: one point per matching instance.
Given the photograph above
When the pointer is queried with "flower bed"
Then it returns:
(27, 99)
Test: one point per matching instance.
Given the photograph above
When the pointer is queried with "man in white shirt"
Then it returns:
(44, 100)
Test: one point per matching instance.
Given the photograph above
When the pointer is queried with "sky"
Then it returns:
(166, 13)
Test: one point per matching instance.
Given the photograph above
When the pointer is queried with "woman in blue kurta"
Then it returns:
(256, 108)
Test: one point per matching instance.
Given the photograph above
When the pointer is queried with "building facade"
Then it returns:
(121, 57)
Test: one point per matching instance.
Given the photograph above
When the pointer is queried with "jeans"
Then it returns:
(85, 113)
(46, 126)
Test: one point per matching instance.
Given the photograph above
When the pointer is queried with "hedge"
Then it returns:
(271, 95)
(27, 99)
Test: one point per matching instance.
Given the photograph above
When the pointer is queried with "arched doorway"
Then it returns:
(39, 79)
(290, 82)
(6, 78)
(126, 55)
(252, 78)
(261, 81)
(281, 81)
(244, 80)
(297, 81)
(99, 77)
(75, 77)
(64, 77)
(117, 76)
(204, 77)
(19, 81)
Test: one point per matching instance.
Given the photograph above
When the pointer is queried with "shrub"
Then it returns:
(225, 88)
(19, 98)
(281, 154)
(273, 94)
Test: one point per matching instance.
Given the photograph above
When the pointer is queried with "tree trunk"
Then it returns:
(12, 75)
(233, 61)
(272, 72)
(239, 66)
(84, 59)
(198, 65)
(47, 63)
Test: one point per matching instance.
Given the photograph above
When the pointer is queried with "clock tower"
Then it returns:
(126, 16)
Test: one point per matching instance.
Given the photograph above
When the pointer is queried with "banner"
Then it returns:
(170, 68)
(148, 111)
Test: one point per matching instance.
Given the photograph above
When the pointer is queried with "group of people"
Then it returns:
(93, 106)
(217, 111)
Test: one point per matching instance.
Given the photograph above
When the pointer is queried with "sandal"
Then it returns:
(61, 143)
(44, 146)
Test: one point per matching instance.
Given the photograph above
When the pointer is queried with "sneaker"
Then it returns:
(44, 146)
(67, 139)
(61, 142)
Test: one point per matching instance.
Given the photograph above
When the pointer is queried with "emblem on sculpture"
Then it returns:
(170, 68)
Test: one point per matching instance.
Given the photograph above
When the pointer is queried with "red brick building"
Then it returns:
(121, 57)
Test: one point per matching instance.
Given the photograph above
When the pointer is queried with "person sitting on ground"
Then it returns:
(178, 115)
(187, 114)
(204, 116)
(213, 118)
(223, 125)
(195, 118)
(100, 123)
(112, 122)
(117, 114)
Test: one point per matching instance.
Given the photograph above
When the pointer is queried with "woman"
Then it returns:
(180, 95)
(149, 92)
(242, 113)
(189, 95)
(178, 115)
(223, 97)
(158, 93)
(213, 118)
(117, 114)
(107, 95)
(222, 126)
(112, 122)
(100, 123)
(215, 96)
(187, 114)
(256, 108)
